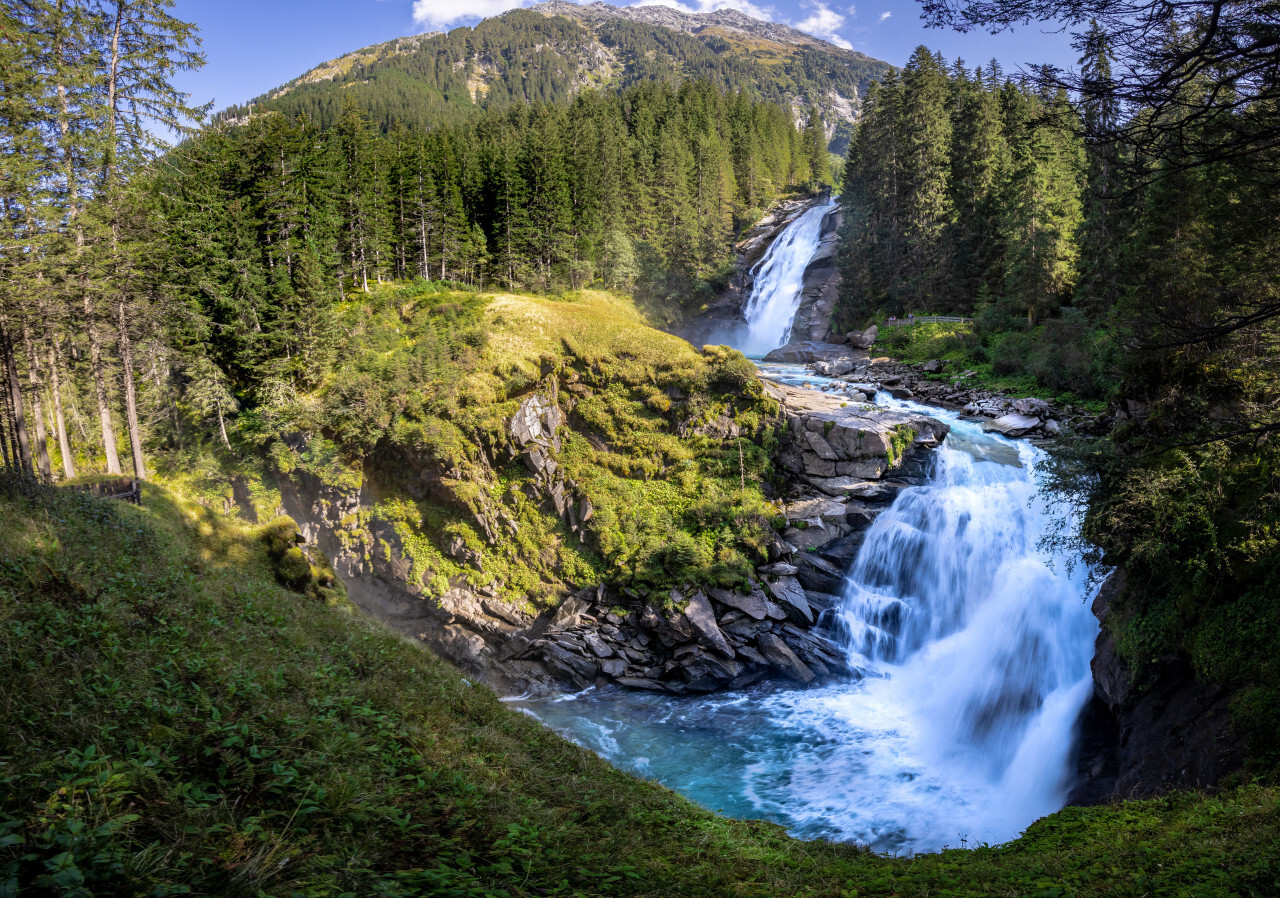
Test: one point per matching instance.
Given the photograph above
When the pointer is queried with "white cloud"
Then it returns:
(442, 13)
(824, 22)
(883, 16)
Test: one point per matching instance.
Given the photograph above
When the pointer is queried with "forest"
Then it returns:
(183, 285)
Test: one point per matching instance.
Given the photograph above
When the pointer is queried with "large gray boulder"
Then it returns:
(864, 339)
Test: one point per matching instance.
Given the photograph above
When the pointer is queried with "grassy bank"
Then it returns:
(416, 404)
(1059, 360)
(175, 721)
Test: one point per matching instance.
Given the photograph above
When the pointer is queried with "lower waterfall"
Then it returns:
(975, 645)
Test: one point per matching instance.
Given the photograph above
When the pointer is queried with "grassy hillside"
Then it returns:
(417, 408)
(174, 721)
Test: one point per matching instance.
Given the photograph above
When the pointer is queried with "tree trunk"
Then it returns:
(100, 390)
(37, 408)
(222, 429)
(15, 400)
(130, 394)
(9, 460)
(60, 421)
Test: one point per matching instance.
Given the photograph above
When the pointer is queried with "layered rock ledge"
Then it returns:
(843, 463)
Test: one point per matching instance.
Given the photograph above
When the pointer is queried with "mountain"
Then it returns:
(553, 51)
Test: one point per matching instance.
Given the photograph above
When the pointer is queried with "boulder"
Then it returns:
(1013, 425)
(526, 423)
(778, 569)
(807, 352)
(1036, 408)
(698, 611)
(790, 595)
(596, 645)
(614, 667)
(782, 659)
(754, 604)
(864, 339)
(833, 368)
(934, 366)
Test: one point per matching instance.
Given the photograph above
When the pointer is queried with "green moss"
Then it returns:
(900, 440)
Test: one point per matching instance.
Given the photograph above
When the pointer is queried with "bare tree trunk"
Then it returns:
(37, 408)
(100, 390)
(10, 461)
(222, 428)
(130, 394)
(15, 400)
(60, 421)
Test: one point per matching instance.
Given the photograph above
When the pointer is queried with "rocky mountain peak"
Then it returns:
(722, 20)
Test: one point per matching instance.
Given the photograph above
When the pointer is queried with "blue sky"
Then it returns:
(255, 46)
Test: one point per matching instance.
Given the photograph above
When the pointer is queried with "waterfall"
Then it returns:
(975, 647)
(777, 280)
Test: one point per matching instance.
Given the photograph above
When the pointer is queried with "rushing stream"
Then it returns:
(976, 651)
(974, 645)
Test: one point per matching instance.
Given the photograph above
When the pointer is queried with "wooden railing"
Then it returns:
(927, 319)
(125, 490)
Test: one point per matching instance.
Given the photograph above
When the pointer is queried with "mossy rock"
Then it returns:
(281, 535)
(293, 569)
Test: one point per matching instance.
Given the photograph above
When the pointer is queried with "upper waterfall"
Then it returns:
(778, 280)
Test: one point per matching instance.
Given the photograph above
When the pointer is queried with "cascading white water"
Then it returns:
(976, 649)
(778, 279)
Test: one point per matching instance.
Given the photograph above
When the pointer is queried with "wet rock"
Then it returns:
(780, 656)
(818, 574)
(834, 367)
(614, 667)
(699, 613)
(754, 604)
(643, 683)
(1013, 425)
(790, 595)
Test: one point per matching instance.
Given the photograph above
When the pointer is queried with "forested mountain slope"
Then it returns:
(550, 53)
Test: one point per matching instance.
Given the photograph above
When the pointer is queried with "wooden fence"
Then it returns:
(125, 490)
(927, 319)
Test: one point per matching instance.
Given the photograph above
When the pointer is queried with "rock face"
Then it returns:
(1137, 740)
(688, 641)
(821, 286)
(844, 450)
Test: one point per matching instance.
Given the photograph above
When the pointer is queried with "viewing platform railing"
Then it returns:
(926, 319)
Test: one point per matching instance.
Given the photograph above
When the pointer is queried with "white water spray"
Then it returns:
(778, 279)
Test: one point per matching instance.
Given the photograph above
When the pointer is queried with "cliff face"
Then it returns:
(821, 288)
(1168, 731)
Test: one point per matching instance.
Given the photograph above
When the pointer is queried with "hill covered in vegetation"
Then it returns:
(553, 52)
